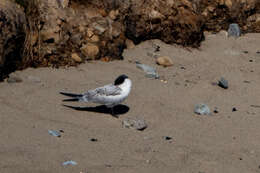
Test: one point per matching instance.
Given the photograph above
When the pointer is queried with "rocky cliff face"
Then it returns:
(12, 36)
(68, 32)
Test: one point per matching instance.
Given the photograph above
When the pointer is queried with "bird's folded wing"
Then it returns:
(107, 90)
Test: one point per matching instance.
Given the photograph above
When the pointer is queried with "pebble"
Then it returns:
(167, 138)
(223, 83)
(14, 79)
(93, 140)
(129, 44)
(137, 124)
(234, 30)
(90, 50)
(150, 71)
(70, 162)
(54, 133)
(76, 57)
(113, 14)
(202, 109)
(164, 61)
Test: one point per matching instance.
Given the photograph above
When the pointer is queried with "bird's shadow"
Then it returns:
(117, 110)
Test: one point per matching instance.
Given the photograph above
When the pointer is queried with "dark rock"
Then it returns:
(223, 83)
(93, 139)
(234, 109)
(167, 138)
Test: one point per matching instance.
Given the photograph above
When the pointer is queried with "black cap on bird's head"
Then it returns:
(120, 79)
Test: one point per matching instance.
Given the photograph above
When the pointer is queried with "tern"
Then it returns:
(109, 95)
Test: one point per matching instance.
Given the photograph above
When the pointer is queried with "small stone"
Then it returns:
(202, 109)
(223, 83)
(93, 140)
(167, 138)
(155, 15)
(223, 33)
(113, 14)
(14, 79)
(102, 12)
(54, 133)
(90, 50)
(257, 52)
(90, 33)
(63, 3)
(137, 124)
(70, 162)
(150, 71)
(164, 61)
(99, 28)
(76, 57)
(94, 38)
(245, 51)
(129, 44)
(234, 30)
(228, 3)
(215, 111)
(81, 28)
(234, 109)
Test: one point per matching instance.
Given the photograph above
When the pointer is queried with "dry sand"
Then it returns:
(222, 142)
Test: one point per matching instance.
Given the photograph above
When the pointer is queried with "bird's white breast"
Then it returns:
(126, 88)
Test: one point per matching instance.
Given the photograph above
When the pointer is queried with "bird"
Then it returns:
(109, 95)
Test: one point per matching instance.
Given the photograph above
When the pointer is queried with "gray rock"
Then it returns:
(202, 109)
(150, 71)
(223, 83)
(234, 30)
(137, 124)
(14, 79)
(70, 162)
(54, 133)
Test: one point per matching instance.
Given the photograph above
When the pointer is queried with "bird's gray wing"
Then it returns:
(107, 90)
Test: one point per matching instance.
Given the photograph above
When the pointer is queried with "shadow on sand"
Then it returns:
(117, 110)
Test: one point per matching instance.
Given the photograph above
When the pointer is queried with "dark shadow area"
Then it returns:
(117, 110)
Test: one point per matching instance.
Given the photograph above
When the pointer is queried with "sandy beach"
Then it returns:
(226, 141)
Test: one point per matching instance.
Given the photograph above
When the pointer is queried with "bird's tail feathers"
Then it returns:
(71, 94)
(75, 97)
(71, 100)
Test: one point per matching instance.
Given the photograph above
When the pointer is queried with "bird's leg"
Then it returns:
(112, 112)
